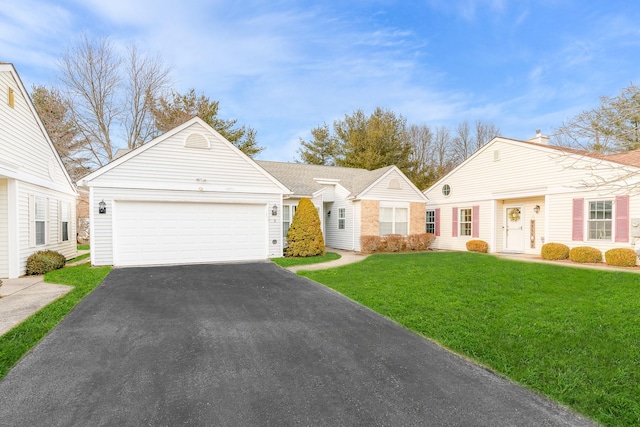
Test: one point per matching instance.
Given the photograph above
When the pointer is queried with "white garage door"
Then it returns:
(148, 233)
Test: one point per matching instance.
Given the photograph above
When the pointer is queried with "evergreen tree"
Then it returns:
(304, 237)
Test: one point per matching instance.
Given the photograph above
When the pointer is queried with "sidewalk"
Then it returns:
(346, 257)
(25, 295)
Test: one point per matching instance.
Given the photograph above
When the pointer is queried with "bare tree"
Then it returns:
(443, 151)
(422, 171)
(108, 94)
(146, 78)
(613, 126)
(484, 132)
(463, 145)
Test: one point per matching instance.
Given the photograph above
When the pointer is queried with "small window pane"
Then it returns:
(40, 240)
(65, 231)
(341, 218)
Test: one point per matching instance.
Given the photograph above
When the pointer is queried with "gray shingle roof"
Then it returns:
(302, 179)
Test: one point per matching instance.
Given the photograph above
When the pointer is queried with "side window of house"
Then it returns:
(465, 221)
(431, 222)
(64, 221)
(342, 216)
(394, 220)
(40, 216)
(600, 219)
(288, 211)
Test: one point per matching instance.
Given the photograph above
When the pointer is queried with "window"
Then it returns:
(40, 217)
(600, 219)
(431, 222)
(446, 189)
(342, 215)
(394, 221)
(465, 222)
(288, 211)
(64, 221)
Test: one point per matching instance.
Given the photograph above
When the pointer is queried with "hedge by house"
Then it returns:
(554, 251)
(621, 257)
(585, 254)
(43, 262)
(304, 237)
(477, 246)
(396, 243)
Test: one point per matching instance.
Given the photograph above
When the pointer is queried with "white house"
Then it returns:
(352, 202)
(517, 195)
(38, 199)
(188, 196)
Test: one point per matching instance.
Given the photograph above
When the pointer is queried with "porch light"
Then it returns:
(328, 213)
(102, 207)
(274, 210)
(537, 209)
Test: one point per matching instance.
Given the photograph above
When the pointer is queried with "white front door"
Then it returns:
(514, 231)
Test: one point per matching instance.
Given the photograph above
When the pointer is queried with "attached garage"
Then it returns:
(147, 233)
(189, 196)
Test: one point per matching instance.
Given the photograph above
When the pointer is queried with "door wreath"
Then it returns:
(514, 214)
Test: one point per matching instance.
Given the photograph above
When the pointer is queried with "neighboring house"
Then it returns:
(518, 195)
(38, 198)
(352, 202)
(188, 196)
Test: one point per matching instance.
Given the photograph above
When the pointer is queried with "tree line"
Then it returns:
(384, 138)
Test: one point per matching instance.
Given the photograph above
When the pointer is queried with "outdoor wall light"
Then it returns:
(274, 210)
(537, 209)
(328, 213)
(102, 207)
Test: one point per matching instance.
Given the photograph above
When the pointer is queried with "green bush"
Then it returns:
(304, 237)
(554, 251)
(420, 242)
(585, 254)
(45, 261)
(478, 246)
(621, 257)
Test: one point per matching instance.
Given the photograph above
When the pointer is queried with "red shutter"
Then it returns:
(577, 229)
(437, 230)
(622, 219)
(454, 222)
(475, 221)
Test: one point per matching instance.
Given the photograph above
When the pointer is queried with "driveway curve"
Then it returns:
(250, 344)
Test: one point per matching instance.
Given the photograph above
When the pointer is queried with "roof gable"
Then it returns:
(192, 156)
(28, 152)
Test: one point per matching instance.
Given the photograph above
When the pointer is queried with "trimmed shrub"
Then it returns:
(395, 242)
(554, 251)
(585, 254)
(45, 261)
(478, 246)
(369, 244)
(621, 257)
(420, 242)
(304, 237)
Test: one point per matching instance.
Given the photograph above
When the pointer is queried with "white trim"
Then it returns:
(182, 187)
(13, 210)
(92, 230)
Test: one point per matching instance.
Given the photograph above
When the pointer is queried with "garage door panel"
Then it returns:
(168, 233)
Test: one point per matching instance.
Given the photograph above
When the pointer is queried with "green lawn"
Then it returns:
(83, 247)
(290, 262)
(19, 340)
(572, 334)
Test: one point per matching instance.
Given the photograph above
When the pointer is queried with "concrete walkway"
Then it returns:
(22, 297)
(346, 257)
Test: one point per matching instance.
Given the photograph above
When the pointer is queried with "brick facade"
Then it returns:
(369, 215)
(417, 217)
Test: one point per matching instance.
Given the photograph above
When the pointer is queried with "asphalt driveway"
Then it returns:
(249, 344)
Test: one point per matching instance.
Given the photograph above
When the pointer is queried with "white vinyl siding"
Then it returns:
(4, 229)
(336, 237)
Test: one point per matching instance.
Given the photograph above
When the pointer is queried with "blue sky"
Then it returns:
(284, 67)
